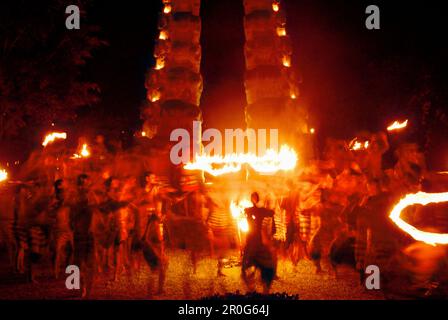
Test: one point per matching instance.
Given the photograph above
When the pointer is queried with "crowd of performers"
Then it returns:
(335, 211)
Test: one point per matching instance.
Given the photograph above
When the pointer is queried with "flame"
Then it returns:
(160, 63)
(397, 125)
(155, 96)
(286, 60)
(163, 35)
(275, 6)
(312, 131)
(293, 96)
(237, 210)
(356, 145)
(271, 162)
(143, 134)
(3, 175)
(422, 198)
(84, 153)
(167, 9)
(281, 31)
(49, 138)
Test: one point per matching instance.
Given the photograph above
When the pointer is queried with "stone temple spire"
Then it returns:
(271, 85)
(174, 85)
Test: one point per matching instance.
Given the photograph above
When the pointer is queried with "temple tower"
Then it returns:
(174, 85)
(271, 85)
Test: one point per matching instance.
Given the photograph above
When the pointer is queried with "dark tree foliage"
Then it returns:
(41, 65)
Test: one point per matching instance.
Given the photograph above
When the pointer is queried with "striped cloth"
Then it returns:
(280, 225)
(308, 224)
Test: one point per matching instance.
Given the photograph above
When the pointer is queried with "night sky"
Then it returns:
(336, 57)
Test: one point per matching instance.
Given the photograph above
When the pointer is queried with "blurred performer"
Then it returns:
(125, 219)
(293, 244)
(63, 235)
(104, 224)
(150, 229)
(377, 240)
(83, 242)
(257, 254)
(409, 171)
(312, 233)
(220, 226)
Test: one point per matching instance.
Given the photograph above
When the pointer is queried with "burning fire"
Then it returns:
(422, 198)
(163, 35)
(155, 96)
(160, 63)
(49, 138)
(237, 210)
(286, 60)
(356, 145)
(3, 175)
(269, 163)
(275, 6)
(281, 31)
(397, 125)
(84, 153)
(167, 9)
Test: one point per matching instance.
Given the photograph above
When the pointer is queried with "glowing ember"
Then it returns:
(84, 153)
(163, 35)
(155, 96)
(281, 31)
(293, 96)
(3, 175)
(423, 199)
(269, 163)
(49, 138)
(312, 131)
(143, 134)
(356, 145)
(275, 6)
(237, 210)
(167, 9)
(286, 61)
(160, 63)
(397, 125)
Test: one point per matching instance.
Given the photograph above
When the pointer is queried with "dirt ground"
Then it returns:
(182, 284)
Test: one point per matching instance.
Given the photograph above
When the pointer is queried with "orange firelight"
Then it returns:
(356, 145)
(50, 138)
(155, 95)
(397, 125)
(421, 198)
(160, 63)
(84, 152)
(167, 9)
(163, 35)
(281, 31)
(275, 6)
(270, 163)
(237, 210)
(286, 60)
(3, 175)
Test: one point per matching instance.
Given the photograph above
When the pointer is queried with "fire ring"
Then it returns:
(422, 198)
